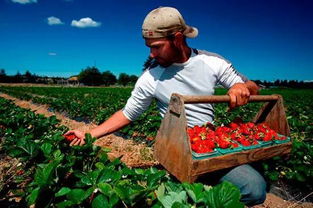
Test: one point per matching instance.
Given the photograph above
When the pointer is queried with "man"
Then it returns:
(180, 69)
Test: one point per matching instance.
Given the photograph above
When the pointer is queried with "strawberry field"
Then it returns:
(47, 172)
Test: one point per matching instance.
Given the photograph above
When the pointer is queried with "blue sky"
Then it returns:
(264, 39)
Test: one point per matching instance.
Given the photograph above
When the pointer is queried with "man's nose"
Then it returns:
(153, 54)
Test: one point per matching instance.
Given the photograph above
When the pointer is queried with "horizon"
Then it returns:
(264, 40)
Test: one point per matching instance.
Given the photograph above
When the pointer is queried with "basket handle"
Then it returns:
(223, 98)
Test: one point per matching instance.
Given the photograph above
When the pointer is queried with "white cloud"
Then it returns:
(85, 22)
(24, 1)
(54, 21)
(52, 54)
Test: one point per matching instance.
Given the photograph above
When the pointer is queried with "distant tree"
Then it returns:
(277, 82)
(2, 72)
(123, 79)
(17, 78)
(108, 78)
(90, 76)
(258, 82)
(133, 79)
(266, 83)
(29, 77)
(3, 76)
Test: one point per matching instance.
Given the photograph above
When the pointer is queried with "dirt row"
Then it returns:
(132, 154)
(129, 152)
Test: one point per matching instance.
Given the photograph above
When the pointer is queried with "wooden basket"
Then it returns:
(172, 147)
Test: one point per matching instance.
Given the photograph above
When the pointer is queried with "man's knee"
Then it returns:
(251, 184)
(254, 194)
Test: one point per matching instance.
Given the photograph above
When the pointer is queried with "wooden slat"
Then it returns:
(273, 113)
(238, 158)
(172, 147)
(225, 98)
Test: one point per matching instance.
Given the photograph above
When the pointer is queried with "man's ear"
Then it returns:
(179, 38)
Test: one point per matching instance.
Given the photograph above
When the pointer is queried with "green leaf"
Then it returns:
(130, 194)
(195, 191)
(64, 204)
(63, 191)
(44, 175)
(46, 149)
(139, 171)
(154, 179)
(109, 175)
(76, 196)
(100, 201)
(173, 187)
(113, 200)
(224, 195)
(180, 205)
(58, 155)
(33, 196)
(169, 199)
(160, 191)
(91, 178)
(100, 165)
(105, 188)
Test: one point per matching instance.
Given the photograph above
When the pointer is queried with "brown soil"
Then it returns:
(273, 201)
(130, 153)
(8, 167)
(135, 155)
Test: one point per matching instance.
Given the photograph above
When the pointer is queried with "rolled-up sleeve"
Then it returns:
(228, 75)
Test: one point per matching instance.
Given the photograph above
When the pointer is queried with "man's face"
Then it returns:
(163, 50)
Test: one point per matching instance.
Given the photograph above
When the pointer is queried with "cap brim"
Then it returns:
(191, 32)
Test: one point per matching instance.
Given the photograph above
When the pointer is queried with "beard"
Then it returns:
(163, 63)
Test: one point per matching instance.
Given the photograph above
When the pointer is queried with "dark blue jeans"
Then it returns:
(251, 184)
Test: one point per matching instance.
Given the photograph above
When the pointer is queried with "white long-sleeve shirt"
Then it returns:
(197, 76)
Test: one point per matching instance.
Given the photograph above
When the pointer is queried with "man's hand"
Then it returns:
(239, 95)
(76, 137)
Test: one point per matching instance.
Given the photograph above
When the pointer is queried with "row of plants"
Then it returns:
(97, 104)
(100, 103)
(90, 105)
(53, 174)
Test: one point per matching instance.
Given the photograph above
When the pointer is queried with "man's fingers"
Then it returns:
(69, 133)
(239, 95)
(233, 101)
(75, 142)
(82, 142)
(240, 100)
(244, 97)
(72, 142)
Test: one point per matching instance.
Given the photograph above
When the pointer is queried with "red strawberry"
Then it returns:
(69, 137)
(245, 142)
(195, 139)
(233, 126)
(250, 125)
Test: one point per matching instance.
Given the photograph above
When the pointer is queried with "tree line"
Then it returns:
(90, 76)
(285, 84)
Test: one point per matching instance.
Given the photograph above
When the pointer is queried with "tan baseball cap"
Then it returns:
(165, 21)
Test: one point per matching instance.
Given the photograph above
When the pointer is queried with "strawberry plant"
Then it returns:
(56, 175)
(97, 104)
